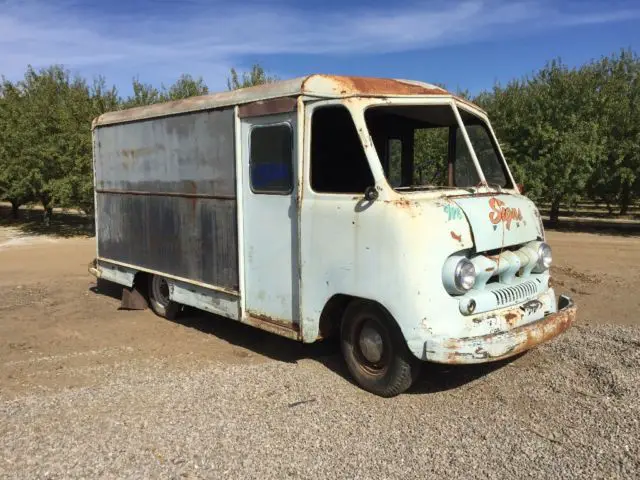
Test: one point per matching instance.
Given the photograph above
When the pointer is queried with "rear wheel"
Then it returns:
(375, 351)
(159, 298)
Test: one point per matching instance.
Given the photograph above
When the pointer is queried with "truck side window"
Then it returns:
(338, 161)
(270, 162)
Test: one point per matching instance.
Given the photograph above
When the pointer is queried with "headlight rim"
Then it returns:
(458, 273)
(541, 265)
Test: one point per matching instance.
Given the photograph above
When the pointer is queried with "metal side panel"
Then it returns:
(211, 301)
(166, 196)
(195, 239)
(117, 273)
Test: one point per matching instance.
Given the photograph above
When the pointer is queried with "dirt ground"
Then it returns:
(87, 390)
(54, 319)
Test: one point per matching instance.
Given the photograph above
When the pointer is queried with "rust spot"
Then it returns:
(268, 107)
(489, 269)
(456, 236)
(381, 86)
(132, 153)
(278, 326)
(511, 318)
(532, 334)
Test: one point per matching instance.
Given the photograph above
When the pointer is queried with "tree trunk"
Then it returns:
(48, 212)
(554, 214)
(609, 207)
(15, 205)
(48, 209)
(625, 198)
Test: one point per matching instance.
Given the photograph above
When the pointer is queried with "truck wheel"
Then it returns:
(375, 351)
(159, 298)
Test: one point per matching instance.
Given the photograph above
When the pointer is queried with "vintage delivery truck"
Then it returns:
(379, 210)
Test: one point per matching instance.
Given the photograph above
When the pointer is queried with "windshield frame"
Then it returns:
(455, 105)
(494, 140)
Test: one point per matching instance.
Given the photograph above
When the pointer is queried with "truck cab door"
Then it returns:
(269, 222)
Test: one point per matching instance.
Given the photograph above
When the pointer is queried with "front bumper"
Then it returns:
(497, 346)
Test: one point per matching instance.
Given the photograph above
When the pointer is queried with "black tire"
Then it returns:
(159, 301)
(396, 369)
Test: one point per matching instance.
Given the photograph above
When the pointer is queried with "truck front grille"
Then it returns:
(508, 295)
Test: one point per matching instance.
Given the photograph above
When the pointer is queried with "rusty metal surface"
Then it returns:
(194, 239)
(268, 107)
(280, 327)
(203, 298)
(502, 344)
(133, 299)
(318, 85)
(370, 86)
(188, 154)
(166, 196)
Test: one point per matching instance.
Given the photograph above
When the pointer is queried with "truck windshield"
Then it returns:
(422, 147)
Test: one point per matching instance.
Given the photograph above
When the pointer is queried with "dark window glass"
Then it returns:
(270, 165)
(338, 161)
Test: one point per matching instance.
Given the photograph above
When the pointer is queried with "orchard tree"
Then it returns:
(186, 86)
(616, 179)
(549, 133)
(255, 76)
(15, 170)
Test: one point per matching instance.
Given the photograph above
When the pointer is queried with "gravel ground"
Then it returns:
(567, 409)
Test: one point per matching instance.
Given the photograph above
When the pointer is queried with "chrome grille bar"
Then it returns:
(514, 294)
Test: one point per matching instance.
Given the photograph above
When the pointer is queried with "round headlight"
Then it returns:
(465, 275)
(544, 256)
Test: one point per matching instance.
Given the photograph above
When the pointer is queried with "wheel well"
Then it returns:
(141, 283)
(334, 309)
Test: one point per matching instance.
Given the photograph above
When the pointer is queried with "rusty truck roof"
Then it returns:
(317, 85)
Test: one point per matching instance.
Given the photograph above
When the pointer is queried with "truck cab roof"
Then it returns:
(316, 85)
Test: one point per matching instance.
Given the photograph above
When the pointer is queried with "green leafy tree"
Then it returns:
(430, 156)
(15, 170)
(46, 140)
(255, 76)
(186, 86)
(549, 132)
(143, 94)
(616, 178)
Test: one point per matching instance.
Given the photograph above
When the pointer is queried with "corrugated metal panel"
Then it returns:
(166, 198)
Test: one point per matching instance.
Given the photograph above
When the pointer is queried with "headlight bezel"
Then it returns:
(545, 257)
(459, 275)
(464, 270)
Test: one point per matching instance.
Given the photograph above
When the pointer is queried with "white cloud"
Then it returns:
(211, 37)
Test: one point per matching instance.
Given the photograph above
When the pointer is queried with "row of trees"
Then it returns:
(573, 133)
(45, 132)
(568, 133)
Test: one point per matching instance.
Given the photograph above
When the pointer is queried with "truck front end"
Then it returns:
(479, 274)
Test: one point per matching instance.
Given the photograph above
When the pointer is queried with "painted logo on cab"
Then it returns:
(500, 213)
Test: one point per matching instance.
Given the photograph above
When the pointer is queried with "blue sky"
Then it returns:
(467, 44)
